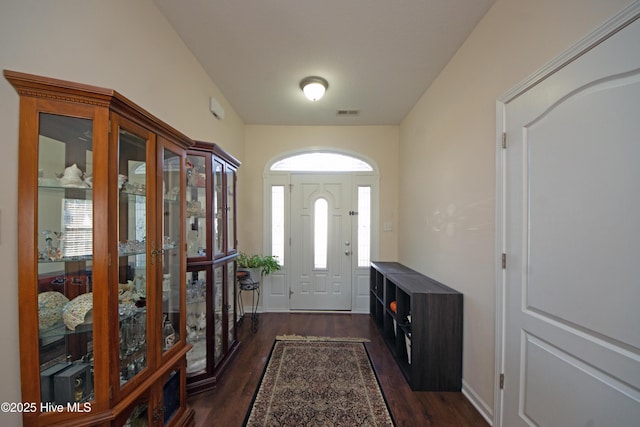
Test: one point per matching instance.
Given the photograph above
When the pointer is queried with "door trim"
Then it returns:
(594, 38)
(281, 280)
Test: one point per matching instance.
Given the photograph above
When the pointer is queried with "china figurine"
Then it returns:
(72, 177)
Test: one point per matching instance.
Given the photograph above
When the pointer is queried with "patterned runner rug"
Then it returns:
(316, 381)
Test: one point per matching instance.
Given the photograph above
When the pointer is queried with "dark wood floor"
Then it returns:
(227, 404)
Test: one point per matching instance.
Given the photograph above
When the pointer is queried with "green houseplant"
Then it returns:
(265, 264)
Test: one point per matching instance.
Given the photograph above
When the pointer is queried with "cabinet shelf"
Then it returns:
(428, 348)
(60, 330)
(132, 192)
(66, 259)
(131, 253)
(59, 187)
(132, 196)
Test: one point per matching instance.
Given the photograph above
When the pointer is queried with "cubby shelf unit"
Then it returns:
(424, 333)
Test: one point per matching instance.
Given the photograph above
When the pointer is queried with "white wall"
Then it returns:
(126, 45)
(447, 160)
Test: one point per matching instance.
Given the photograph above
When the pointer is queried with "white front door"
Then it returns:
(572, 243)
(321, 245)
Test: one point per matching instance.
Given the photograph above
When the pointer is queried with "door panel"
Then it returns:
(320, 284)
(572, 346)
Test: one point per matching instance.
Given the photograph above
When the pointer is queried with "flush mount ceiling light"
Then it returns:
(314, 87)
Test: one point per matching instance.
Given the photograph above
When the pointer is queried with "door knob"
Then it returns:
(347, 243)
(347, 252)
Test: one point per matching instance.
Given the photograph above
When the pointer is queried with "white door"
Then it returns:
(572, 243)
(321, 244)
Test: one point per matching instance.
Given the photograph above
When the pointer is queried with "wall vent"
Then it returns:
(345, 113)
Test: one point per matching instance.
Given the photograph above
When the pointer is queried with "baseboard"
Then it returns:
(485, 410)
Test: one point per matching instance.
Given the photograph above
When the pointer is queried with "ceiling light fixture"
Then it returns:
(314, 87)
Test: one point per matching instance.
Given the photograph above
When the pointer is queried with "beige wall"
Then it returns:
(264, 143)
(447, 158)
(437, 169)
(120, 44)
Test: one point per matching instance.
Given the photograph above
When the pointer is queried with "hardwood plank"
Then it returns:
(227, 404)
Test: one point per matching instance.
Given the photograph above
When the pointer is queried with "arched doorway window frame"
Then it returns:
(276, 285)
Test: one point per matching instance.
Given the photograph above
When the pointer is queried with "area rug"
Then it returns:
(318, 381)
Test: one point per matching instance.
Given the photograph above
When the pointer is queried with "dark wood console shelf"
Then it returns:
(424, 333)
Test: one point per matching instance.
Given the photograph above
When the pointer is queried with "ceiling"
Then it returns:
(379, 56)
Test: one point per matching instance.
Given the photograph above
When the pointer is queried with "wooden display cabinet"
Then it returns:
(101, 258)
(211, 267)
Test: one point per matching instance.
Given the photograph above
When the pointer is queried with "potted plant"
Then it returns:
(259, 265)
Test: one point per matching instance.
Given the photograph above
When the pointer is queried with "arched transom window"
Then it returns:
(321, 161)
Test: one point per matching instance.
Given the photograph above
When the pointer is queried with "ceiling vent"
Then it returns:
(349, 113)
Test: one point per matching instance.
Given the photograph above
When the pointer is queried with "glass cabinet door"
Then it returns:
(230, 184)
(132, 249)
(65, 253)
(218, 207)
(169, 248)
(197, 320)
(138, 416)
(197, 218)
(218, 287)
(231, 303)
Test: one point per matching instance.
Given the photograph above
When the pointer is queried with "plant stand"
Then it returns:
(246, 283)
